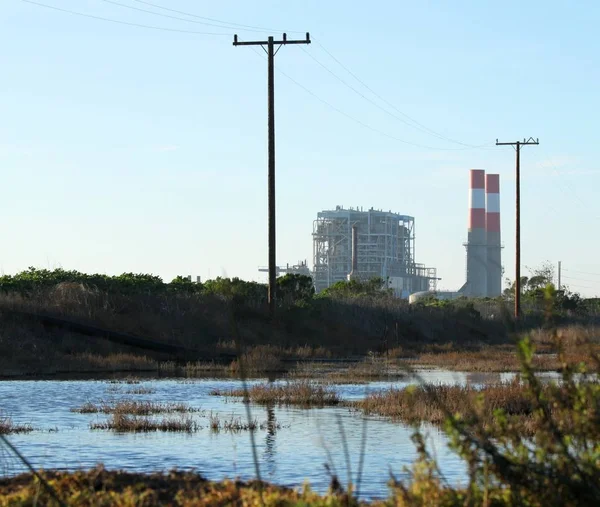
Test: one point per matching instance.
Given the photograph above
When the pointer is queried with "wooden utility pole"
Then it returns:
(271, 52)
(517, 146)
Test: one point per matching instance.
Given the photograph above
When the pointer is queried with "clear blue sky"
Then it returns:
(131, 149)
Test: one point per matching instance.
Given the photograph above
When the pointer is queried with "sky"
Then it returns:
(125, 148)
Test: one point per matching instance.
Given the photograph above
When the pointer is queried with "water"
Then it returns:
(307, 441)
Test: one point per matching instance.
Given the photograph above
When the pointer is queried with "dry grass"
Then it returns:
(370, 369)
(132, 407)
(111, 362)
(578, 344)
(8, 426)
(127, 380)
(130, 423)
(141, 390)
(302, 393)
(259, 359)
(201, 368)
(433, 404)
(236, 424)
(99, 487)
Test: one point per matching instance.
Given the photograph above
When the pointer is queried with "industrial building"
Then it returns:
(384, 247)
(484, 247)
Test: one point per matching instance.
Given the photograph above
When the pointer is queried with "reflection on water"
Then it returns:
(296, 445)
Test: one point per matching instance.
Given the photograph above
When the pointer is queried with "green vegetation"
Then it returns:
(211, 321)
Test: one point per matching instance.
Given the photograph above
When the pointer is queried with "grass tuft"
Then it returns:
(132, 407)
(127, 423)
(302, 393)
(8, 426)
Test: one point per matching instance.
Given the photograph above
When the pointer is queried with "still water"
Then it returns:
(307, 441)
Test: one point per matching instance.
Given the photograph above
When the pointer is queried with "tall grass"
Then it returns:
(8, 426)
(121, 422)
(302, 393)
(134, 407)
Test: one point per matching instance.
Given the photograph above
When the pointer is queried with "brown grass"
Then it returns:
(141, 390)
(578, 344)
(372, 368)
(132, 407)
(8, 426)
(127, 380)
(432, 404)
(302, 393)
(236, 424)
(127, 423)
(111, 362)
(201, 368)
(100, 487)
(259, 359)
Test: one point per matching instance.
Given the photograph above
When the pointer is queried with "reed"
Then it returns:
(120, 422)
(8, 426)
(132, 407)
(302, 393)
(236, 424)
(433, 404)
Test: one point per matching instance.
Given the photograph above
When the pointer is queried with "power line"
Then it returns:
(581, 272)
(416, 125)
(168, 16)
(362, 95)
(138, 25)
(581, 279)
(356, 120)
(254, 28)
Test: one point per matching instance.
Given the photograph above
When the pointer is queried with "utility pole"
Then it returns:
(271, 52)
(517, 146)
(559, 268)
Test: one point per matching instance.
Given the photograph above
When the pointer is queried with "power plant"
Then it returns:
(384, 247)
(484, 262)
(353, 244)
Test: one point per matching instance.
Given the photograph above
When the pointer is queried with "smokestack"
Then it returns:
(492, 225)
(477, 241)
(354, 273)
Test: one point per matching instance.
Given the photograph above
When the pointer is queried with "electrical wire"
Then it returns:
(110, 20)
(362, 95)
(580, 272)
(580, 279)
(178, 18)
(417, 125)
(356, 120)
(248, 27)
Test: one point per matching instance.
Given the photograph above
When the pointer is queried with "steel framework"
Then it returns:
(386, 248)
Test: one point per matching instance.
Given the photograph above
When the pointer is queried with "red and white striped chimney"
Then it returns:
(477, 242)
(477, 200)
(492, 224)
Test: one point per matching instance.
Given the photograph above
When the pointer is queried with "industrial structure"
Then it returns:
(384, 246)
(297, 269)
(484, 262)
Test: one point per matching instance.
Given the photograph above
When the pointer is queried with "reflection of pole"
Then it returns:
(270, 439)
(270, 420)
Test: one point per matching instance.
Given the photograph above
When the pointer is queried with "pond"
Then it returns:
(307, 440)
